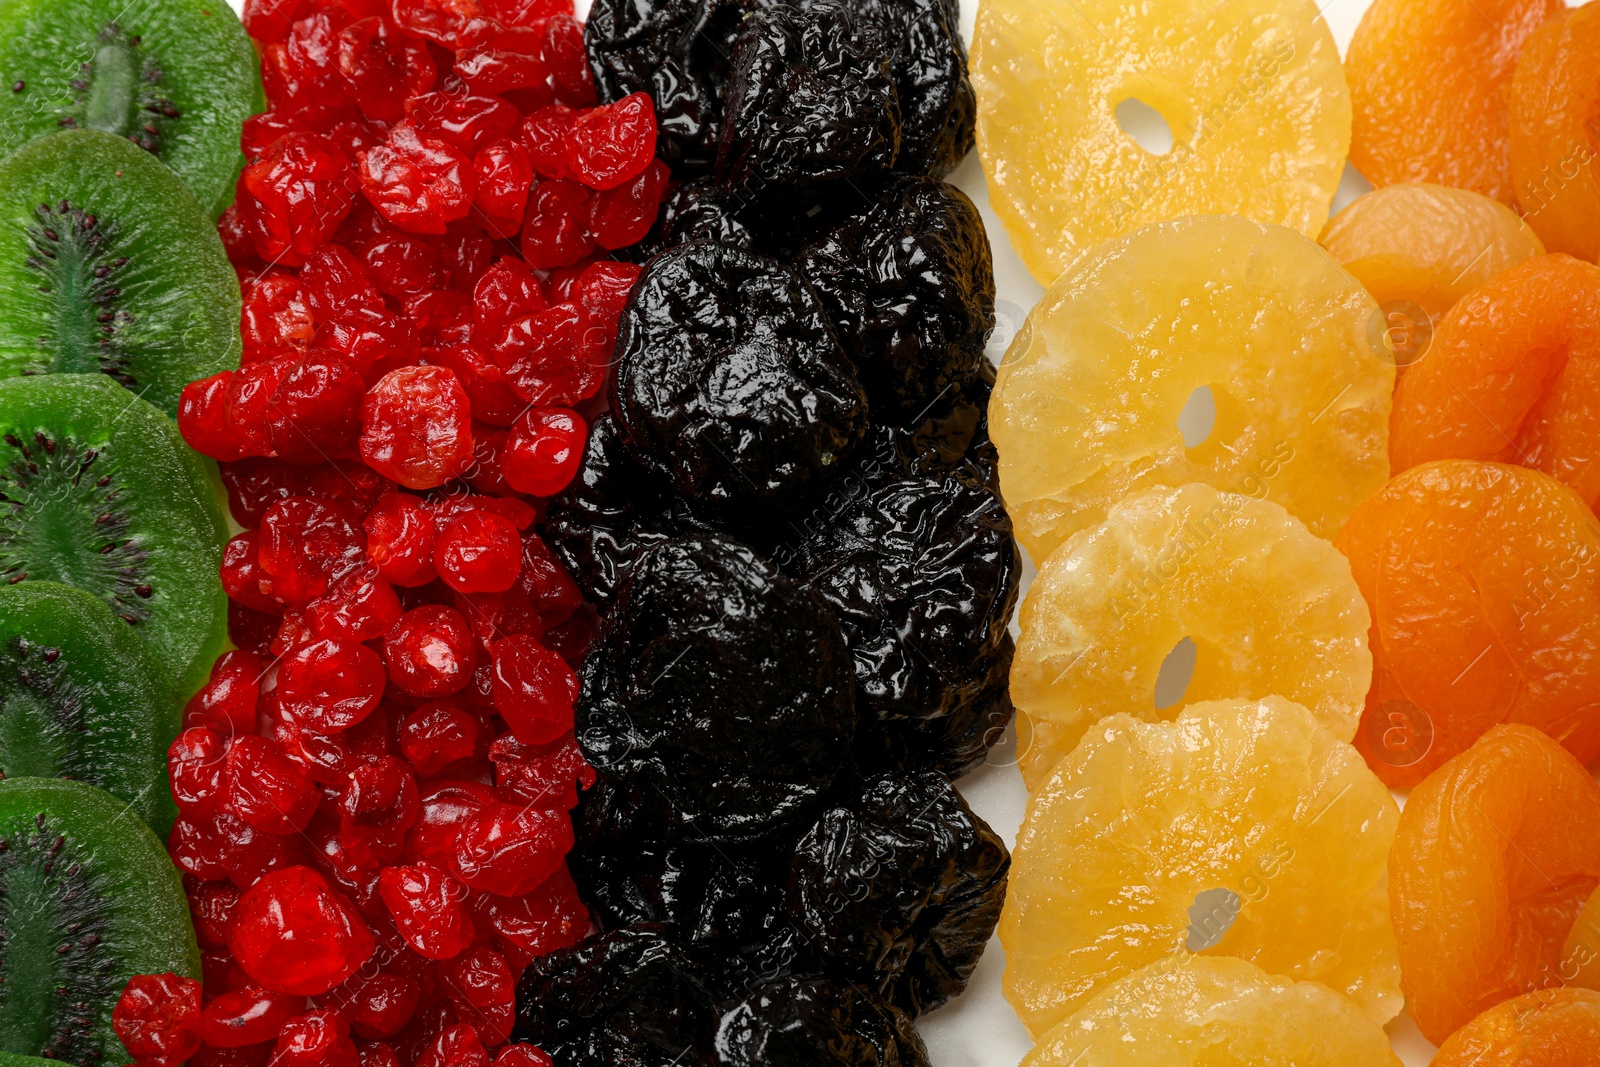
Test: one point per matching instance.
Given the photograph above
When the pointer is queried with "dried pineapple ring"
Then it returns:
(1086, 407)
(1241, 829)
(1182, 1012)
(1271, 608)
(1253, 91)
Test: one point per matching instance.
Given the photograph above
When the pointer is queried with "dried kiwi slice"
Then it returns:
(175, 77)
(97, 490)
(108, 264)
(88, 899)
(81, 697)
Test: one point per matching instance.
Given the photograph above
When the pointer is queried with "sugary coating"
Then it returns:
(1272, 609)
(1241, 829)
(1200, 1011)
(1554, 96)
(1580, 956)
(1495, 854)
(1484, 582)
(1512, 375)
(1427, 244)
(1547, 1028)
(1086, 406)
(1252, 90)
(1428, 81)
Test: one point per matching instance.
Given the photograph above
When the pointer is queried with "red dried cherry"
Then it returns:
(457, 1046)
(416, 427)
(157, 1017)
(293, 934)
(203, 417)
(546, 131)
(426, 904)
(491, 58)
(508, 291)
(420, 184)
(378, 1005)
(548, 775)
(400, 539)
(264, 787)
(504, 175)
(195, 763)
(315, 412)
(484, 990)
(381, 795)
(275, 316)
(543, 451)
(509, 849)
(551, 917)
(438, 735)
(469, 122)
(257, 483)
(337, 287)
(445, 806)
(548, 360)
(359, 606)
(268, 21)
(522, 1055)
(330, 685)
(623, 216)
(384, 68)
(493, 400)
(479, 552)
(227, 702)
(247, 1016)
(249, 398)
(294, 197)
(430, 652)
(555, 230)
(611, 144)
(305, 544)
(315, 1039)
(534, 689)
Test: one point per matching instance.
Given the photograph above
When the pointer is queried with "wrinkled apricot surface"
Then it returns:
(1248, 798)
(1428, 84)
(1484, 585)
(1496, 853)
(1555, 139)
(1512, 375)
(1580, 956)
(1548, 1028)
(1428, 245)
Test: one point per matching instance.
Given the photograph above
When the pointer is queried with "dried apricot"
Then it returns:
(1428, 81)
(1580, 956)
(1241, 829)
(1512, 375)
(1201, 1011)
(1271, 608)
(1496, 853)
(1555, 98)
(1427, 245)
(1252, 91)
(1549, 1028)
(1086, 407)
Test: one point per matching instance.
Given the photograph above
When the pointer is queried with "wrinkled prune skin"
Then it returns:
(677, 51)
(807, 1022)
(810, 102)
(730, 383)
(898, 889)
(720, 684)
(909, 286)
(628, 998)
(961, 743)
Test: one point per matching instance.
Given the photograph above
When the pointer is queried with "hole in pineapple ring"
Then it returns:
(1172, 681)
(1210, 917)
(1145, 126)
(1198, 417)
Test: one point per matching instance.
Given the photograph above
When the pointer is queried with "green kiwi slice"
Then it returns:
(98, 491)
(107, 265)
(81, 697)
(88, 899)
(177, 78)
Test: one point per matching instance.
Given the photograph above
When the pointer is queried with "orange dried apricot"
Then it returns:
(1428, 83)
(1555, 101)
(1512, 375)
(1428, 245)
(1496, 852)
(1548, 1028)
(1484, 585)
(1580, 956)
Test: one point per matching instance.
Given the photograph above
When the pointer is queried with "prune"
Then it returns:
(810, 102)
(730, 382)
(802, 1022)
(628, 998)
(700, 211)
(677, 51)
(721, 684)
(898, 889)
(909, 286)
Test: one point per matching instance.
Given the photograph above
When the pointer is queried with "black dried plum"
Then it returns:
(963, 741)
(909, 286)
(720, 684)
(807, 1022)
(730, 381)
(898, 889)
(700, 211)
(810, 102)
(677, 51)
(628, 998)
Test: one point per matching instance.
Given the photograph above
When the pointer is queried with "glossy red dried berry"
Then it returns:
(547, 359)
(375, 1053)
(337, 287)
(275, 316)
(508, 291)
(466, 252)
(543, 451)
(257, 483)
(378, 1005)
(445, 806)
(546, 583)
(400, 539)
(479, 552)
(493, 58)
(428, 910)
(458, 1046)
(461, 119)
(441, 317)
(384, 68)
(483, 988)
(266, 789)
(157, 1017)
(314, 415)
(549, 918)
(416, 427)
(504, 175)
(522, 1055)
(247, 1016)
(547, 131)
(510, 849)
(242, 576)
(493, 400)
(211, 904)
(301, 75)
(439, 735)
(268, 21)
(306, 543)
(249, 399)
(195, 764)
(438, 20)
(623, 216)
(555, 230)
(547, 775)
(315, 1039)
(561, 48)
(430, 652)
(292, 199)
(293, 934)
(203, 418)
(359, 606)
(485, 477)
(534, 689)
(381, 794)
(227, 702)
(330, 685)
(420, 184)
(612, 144)
(402, 264)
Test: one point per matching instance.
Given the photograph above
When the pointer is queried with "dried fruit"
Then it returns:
(1553, 142)
(1545, 1028)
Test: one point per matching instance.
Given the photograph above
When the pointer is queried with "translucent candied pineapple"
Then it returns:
(1204, 1011)
(1086, 407)
(1271, 609)
(1252, 90)
(1241, 829)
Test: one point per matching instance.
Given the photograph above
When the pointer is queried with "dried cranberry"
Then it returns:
(383, 67)
(157, 1017)
(555, 230)
(247, 1016)
(508, 291)
(315, 1039)
(438, 735)
(509, 849)
(337, 287)
(430, 652)
(305, 544)
(264, 787)
(479, 551)
(445, 806)
(504, 175)
(358, 606)
(469, 122)
(249, 400)
(195, 764)
(547, 131)
(378, 1005)
(250, 629)
(623, 216)
(609, 145)
(534, 689)
(484, 990)
(330, 685)
(426, 904)
(543, 451)
(546, 582)
(315, 412)
(458, 1046)
(293, 934)
(275, 316)
(203, 417)
(294, 197)
(419, 184)
(416, 427)
(400, 539)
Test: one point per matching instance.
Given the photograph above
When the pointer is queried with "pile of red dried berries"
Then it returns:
(374, 787)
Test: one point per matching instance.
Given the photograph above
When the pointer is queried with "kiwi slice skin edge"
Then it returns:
(89, 900)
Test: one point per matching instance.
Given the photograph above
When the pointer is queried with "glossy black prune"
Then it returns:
(898, 888)
(909, 286)
(810, 1022)
(810, 102)
(730, 383)
(720, 684)
(677, 51)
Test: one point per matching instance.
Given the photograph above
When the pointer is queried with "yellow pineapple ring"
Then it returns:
(1271, 608)
(1086, 407)
(1189, 1010)
(1252, 90)
(1241, 829)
